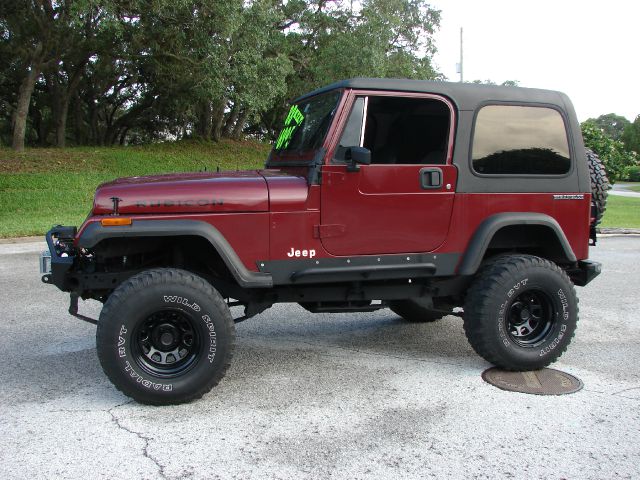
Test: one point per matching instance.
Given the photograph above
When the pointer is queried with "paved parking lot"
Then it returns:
(322, 396)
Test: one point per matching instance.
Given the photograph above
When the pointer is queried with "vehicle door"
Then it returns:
(401, 202)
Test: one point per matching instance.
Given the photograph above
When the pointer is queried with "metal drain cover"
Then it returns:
(539, 382)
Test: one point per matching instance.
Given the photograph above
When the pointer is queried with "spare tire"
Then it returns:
(599, 185)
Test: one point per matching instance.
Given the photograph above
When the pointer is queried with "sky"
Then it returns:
(586, 49)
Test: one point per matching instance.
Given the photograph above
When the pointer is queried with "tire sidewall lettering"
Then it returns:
(562, 316)
(210, 347)
(180, 300)
(517, 287)
(562, 311)
(124, 340)
(128, 364)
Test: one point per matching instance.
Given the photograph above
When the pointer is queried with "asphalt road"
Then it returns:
(324, 396)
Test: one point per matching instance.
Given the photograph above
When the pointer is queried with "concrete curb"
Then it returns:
(618, 231)
(5, 241)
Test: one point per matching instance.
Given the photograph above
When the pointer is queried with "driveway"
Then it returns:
(622, 190)
(324, 396)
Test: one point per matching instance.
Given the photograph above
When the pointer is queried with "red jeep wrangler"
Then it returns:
(417, 196)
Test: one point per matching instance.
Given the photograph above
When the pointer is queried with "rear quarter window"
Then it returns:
(520, 140)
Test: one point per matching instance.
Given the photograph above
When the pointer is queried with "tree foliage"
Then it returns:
(89, 72)
(611, 124)
(631, 136)
(612, 152)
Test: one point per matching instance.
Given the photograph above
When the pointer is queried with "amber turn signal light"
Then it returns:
(115, 221)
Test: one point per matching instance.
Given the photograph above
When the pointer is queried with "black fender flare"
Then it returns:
(94, 233)
(482, 237)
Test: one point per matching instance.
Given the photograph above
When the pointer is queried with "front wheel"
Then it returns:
(520, 312)
(165, 336)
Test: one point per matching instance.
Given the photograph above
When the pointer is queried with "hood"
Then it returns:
(204, 192)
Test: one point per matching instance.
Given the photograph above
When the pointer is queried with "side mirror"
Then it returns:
(356, 156)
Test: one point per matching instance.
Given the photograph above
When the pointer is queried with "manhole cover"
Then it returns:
(540, 382)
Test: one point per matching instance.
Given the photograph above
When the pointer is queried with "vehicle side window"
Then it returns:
(352, 134)
(520, 140)
(399, 130)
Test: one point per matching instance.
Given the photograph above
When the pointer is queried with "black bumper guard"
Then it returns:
(60, 264)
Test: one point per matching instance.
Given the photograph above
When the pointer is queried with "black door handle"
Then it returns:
(430, 178)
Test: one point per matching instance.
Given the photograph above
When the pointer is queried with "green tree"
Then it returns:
(328, 41)
(611, 124)
(130, 71)
(631, 136)
(30, 29)
(506, 83)
(612, 152)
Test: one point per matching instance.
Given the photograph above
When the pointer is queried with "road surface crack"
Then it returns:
(145, 439)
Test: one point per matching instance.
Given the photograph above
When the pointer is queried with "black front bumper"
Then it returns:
(60, 240)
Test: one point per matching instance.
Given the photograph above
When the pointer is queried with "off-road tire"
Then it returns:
(513, 295)
(165, 336)
(599, 184)
(411, 311)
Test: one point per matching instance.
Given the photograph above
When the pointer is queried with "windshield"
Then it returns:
(307, 123)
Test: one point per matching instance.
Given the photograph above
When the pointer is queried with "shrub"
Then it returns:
(632, 174)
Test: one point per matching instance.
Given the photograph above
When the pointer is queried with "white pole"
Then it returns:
(461, 77)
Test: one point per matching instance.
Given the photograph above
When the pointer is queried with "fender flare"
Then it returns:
(94, 233)
(483, 235)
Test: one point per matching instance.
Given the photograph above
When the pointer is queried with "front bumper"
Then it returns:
(58, 260)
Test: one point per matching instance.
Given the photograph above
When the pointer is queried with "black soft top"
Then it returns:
(466, 96)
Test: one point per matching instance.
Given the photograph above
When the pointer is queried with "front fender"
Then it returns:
(94, 233)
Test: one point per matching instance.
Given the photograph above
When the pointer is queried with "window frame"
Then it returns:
(567, 132)
(352, 95)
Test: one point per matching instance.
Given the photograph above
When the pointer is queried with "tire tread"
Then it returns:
(145, 280)
(491, 278)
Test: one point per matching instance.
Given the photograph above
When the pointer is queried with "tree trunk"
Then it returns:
(62, 110)
(123, 136)
(22, 109)
(204, 126)
(78, 130)
(218, 120)
(231, 121)
(239, 126)
(61, 122)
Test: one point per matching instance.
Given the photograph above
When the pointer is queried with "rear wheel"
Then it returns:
(165, 336)
(520, 312)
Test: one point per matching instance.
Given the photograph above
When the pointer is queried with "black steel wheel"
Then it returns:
(165, 336)
(521, 312)
(530, 317)
(167, 342)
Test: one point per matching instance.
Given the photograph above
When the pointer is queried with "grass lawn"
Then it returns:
(42, 187)
(622, 212)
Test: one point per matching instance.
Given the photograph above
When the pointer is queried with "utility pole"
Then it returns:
(461, 77)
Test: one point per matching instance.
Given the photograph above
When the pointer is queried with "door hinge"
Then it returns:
(324, 231)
